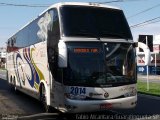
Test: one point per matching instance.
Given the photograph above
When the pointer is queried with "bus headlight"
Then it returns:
(74, 97)
(131, 93)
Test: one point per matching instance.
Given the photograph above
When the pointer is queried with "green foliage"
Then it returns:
(154, 88)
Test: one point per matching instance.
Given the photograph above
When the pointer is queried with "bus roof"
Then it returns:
(82, 4)
(57, 5)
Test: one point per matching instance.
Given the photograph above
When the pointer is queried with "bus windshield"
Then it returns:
(100, 64)
(83, 21)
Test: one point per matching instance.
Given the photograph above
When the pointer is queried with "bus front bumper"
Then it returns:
(76, 106)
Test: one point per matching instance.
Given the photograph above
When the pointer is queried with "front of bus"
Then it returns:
(100, 70)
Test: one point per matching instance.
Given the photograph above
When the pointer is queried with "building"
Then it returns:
(2, 57)
(154, 67)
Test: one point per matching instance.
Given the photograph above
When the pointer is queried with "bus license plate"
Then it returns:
(106, 106)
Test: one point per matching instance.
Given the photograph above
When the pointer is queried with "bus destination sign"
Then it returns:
(86, 50)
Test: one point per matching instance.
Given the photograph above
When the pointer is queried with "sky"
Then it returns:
(12, 18)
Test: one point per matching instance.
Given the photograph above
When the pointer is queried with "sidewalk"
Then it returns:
(151, 78)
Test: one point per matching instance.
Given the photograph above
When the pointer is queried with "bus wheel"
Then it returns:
(11, 84)
(43, 99)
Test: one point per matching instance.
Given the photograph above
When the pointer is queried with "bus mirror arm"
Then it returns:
(135, 44)
(62, 54)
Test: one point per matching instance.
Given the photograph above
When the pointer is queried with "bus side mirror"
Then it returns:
(62, 54)
(146, 52)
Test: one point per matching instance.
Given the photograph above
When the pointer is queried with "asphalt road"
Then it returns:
(16, 104)
(146, 105)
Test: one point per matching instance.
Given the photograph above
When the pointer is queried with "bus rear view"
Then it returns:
(100, 71)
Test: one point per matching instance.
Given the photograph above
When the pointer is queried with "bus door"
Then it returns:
(57, 91)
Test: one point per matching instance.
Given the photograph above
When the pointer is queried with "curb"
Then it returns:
(39, 116)
(149, 96)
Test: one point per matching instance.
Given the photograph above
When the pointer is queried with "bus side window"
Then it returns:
(8, 46)
(12, 42)
(53, 29)
(52, 43)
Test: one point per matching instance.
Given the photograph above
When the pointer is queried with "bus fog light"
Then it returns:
(70, 107)
(131, 93)
(134, 103)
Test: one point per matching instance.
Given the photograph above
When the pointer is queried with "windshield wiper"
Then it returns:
(87, 34)
(110, 34)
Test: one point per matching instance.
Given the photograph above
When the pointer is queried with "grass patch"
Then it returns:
(154, 88)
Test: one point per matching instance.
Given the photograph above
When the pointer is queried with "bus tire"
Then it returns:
(43, 99)
(10, 83)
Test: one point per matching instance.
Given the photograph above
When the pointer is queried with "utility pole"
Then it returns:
(147, 67)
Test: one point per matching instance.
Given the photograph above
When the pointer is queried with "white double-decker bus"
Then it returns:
(75, 57)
